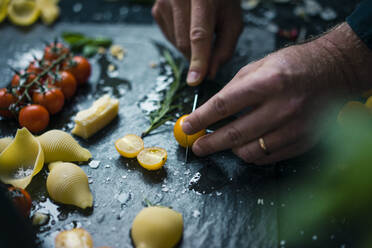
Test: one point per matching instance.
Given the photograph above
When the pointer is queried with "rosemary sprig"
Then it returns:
(162, 115)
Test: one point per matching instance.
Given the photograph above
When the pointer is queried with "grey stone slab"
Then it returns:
(231, 205)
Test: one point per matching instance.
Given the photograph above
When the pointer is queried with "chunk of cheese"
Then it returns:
(101, 113)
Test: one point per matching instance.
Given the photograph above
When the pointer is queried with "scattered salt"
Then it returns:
(196, 213)
(94, 164)
(101, 218)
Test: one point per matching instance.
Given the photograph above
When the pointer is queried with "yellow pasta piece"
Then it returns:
(61, 146)
(4, 142)
(157, 227)
(101, 113)
(22, 159)
(67, 183)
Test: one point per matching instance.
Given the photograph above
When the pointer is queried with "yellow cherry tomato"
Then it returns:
(183, 139)
(369, 103)
(351, 112)
(152, 158)
(129, 146)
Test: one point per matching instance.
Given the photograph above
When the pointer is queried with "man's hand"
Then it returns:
(287, 91)
(205, 31)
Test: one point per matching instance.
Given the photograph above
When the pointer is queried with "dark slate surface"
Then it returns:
(231, 205)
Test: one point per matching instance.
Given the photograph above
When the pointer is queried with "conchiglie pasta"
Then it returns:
(4, 142)
(67, 183)
(61, 146)
(157, 227)
(22, 159)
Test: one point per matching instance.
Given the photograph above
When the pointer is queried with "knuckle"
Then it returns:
(219, 105)
(158, 6)
(245, 154)
(292, 108)
(155, 12)
(242, 72)
(234, 136)
(277, 75)
(196, 121)
(198, 34)
(277, 79)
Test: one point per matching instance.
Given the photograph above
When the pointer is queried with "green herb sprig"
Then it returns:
(163, 114)
(81, 43)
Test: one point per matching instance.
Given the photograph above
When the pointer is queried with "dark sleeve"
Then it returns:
(361, 22)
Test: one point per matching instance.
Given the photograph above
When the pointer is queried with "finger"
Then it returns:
(284, 136)
(231, 99)
(162, 13)
(290, 151)
(245, 129)
(181, 20)
(201, 37)
(228, 32)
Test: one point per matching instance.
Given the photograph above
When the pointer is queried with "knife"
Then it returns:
(196, 96)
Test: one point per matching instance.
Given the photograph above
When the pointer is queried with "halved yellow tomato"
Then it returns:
(129, 145)
(152, 158)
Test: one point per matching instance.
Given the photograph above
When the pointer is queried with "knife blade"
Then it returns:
(196, 96)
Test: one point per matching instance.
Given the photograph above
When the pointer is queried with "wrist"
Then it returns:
(350, 56)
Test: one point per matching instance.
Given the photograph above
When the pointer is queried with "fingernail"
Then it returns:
(186, 127)
(193, 77)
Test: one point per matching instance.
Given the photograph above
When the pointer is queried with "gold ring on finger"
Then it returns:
(263, 146)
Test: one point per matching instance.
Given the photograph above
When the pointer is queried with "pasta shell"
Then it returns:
(61, 146)
(4, 142)
(157, 227)
(22, 159)
(67, 183)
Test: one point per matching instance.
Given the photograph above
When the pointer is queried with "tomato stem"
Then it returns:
(38, 77)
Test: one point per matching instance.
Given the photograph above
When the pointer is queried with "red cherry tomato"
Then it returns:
(67, 83)
(80, 68)
(6, 99)
(21, 200)
(53, 100)
(34, 67)
(17, 80)
(34, 117)
(54, 50)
